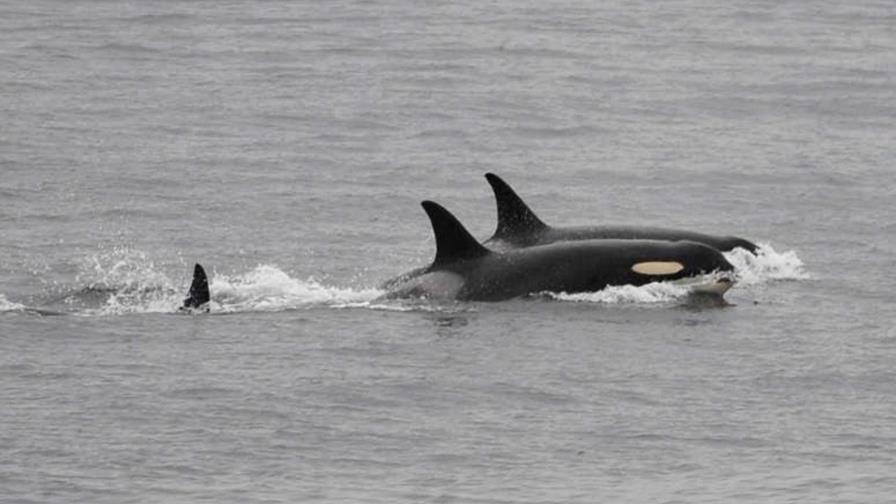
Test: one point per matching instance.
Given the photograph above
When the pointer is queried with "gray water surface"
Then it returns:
(287, 145)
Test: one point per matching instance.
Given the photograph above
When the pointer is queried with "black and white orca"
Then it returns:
(464, 269)
(518, 226)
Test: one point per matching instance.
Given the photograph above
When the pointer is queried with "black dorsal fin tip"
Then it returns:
(453, 241)
(199, 293)
(514, 216)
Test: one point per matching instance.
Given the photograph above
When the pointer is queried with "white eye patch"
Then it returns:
(657, 267)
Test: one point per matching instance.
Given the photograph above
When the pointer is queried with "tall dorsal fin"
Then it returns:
(453, 241)
(514, 216)
(199, 293)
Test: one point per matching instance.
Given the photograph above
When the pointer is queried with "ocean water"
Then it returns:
(287, 145)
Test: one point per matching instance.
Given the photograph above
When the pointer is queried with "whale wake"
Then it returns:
(128, 282)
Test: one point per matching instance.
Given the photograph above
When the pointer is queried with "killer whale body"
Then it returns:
(518, 226)
(463, 269)
(199, 295)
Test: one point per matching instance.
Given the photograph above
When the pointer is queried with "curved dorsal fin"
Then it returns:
(514, 216)
(453, 241)
(199, 293)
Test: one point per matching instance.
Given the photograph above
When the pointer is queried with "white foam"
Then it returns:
(766, 265)
(137, 285)
(657, 292)
(395, 306)
(9, 306)
(267, 288)
(125, 269)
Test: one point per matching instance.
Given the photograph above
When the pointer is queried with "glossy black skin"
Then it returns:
(572, 267)
(614, 237)
(199, 294)
(518, 226)
(548, 235)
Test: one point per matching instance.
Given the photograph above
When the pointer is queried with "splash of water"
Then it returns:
(122, 280)
(123, 268)
(267, 288)
(140, 287)
(657, 292)
(766, 265)
(9, 306)
(125, 281)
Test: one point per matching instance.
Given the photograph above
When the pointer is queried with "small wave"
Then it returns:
(122, 267)
(766, 265)
(658, 292)
(9, 306)
(409, 305)
(267, 288)
(129, 282)
(124, 281)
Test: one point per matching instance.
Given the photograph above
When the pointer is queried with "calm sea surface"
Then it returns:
(287, 145)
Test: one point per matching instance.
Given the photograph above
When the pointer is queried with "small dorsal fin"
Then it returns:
(514, 216)
(453, 241)
(199, 293)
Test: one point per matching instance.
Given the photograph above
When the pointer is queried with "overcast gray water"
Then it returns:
(287, 145)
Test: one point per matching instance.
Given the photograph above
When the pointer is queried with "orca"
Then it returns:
(465, 270)
(199, 296)
(197, 300)
(518, 226)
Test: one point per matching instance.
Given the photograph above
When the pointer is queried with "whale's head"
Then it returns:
(727, 243)
(703, 259)
(685, 260)
(706, 269)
